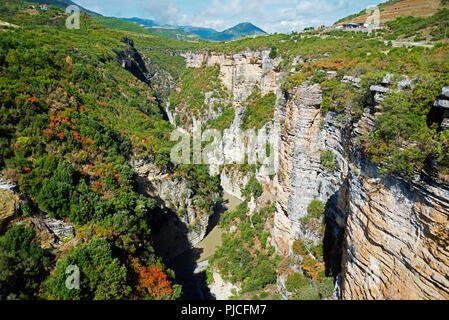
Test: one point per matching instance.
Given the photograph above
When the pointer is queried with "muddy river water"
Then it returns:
(189, 266)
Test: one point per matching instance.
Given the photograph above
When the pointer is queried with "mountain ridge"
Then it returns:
(64, 4)
(232, 33)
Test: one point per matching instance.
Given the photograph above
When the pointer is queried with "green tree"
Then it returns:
(22, 263)
(102, 277)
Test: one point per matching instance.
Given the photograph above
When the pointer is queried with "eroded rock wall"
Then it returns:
(306, 134)
(397, 241)
(182, 224)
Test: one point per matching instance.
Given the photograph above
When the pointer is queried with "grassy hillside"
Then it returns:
(71, 118)
(175, 33)
(63, 4)
(118, 24)
(393, 9)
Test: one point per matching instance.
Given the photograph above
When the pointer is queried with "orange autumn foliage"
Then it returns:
(48, 133)
(76, 136)
(60, 135)
(153, 282)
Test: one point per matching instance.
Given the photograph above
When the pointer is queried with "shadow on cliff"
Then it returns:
(171, 243)
(334, 233)
(133, 62)
(189, 273)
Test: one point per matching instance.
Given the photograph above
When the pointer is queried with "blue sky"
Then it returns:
(270, 15)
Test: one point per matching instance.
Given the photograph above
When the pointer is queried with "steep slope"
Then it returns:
(357, 182)
(393, 9)
(77, 126)
(63, 4)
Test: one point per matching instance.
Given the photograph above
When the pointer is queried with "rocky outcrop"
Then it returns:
(182, 223)
(220, 289)
(242, 71)
(397, 244)
(392, 234)
(9, 204)
(302, 177)
(442, 105)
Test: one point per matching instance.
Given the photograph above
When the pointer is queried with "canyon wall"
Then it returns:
(396, 242)
(182, 224)
(390, 235)
(395, 232)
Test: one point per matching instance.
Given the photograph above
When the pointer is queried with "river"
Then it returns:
(190, 266)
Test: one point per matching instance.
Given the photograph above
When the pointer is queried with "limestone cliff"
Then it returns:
(392, 234)
(388, 237)
(182, 223)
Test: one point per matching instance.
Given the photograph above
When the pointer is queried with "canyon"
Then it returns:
(387, 236)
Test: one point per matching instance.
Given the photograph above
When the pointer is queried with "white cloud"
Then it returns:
(270, 15)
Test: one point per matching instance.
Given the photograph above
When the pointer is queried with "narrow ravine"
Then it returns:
(190, 266)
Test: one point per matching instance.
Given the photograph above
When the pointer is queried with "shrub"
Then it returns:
(315, 210)
(253, 189)
(22, 263)
(273, 53)
(327, 159)
(326, 104)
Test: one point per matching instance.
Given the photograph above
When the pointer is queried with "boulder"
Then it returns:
(446, 92)
(353, 80)
(379, 89)
(331, 74)
(442, 103)
(388, 79)
(9, 204)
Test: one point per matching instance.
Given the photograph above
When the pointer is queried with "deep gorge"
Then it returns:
(379, 231)
(328, 179)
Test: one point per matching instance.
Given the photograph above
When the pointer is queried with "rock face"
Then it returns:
(302, 177)
(9, 204)
(392, 234)
(397, 244)
(183, 225)
(240, 72)
(221, 289)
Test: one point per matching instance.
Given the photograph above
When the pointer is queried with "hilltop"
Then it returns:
(242, 29)
(393, 9)
(63, 4)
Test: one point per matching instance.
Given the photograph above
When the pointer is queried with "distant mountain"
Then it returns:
(242, 29)
(198, 33)
(234, 33)
(63, 4)
(145, 22)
